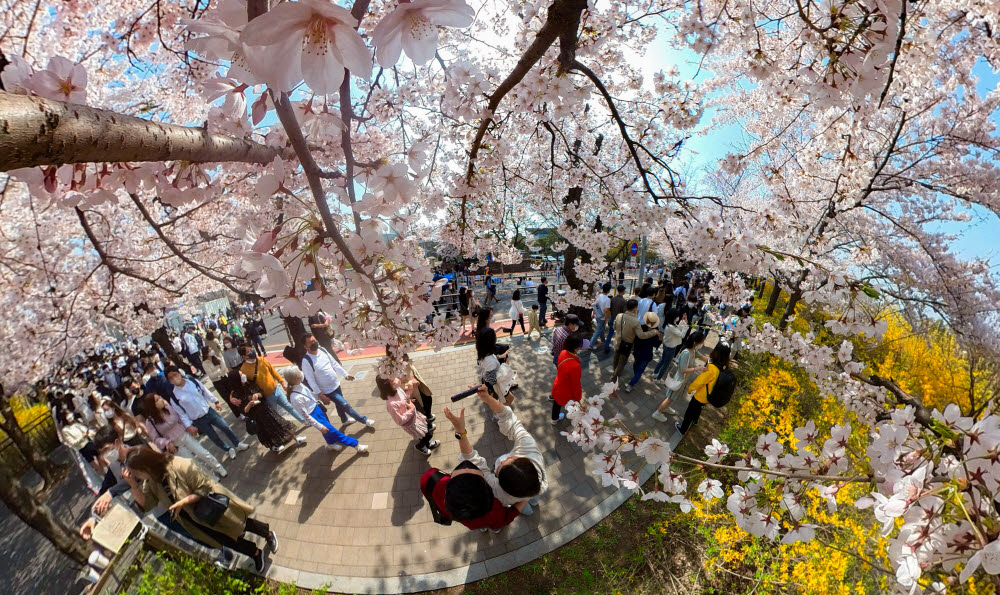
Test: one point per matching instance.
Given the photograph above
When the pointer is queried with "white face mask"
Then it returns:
(243, 378)
(109, 413)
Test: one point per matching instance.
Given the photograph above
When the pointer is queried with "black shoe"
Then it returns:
(431, 417)
(434, 444)
(272, 541)
(258, 560)
(431, 428)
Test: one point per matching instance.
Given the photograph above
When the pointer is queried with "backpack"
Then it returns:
(723, 390)
(435, 477)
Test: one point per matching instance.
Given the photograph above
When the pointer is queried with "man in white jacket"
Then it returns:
(519, 475)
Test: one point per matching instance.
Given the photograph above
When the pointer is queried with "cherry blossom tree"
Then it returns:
(160, 149)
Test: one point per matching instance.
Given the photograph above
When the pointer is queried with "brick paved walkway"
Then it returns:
(357, 523)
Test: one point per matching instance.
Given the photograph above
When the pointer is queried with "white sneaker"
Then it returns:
(628, 388)
(232, 453)
(336, 447)
(555, 421)
(659, 416)
(350, 420)
(300, 439)
(361, 448)
(221, 472)
(370, 422)
(242, 446)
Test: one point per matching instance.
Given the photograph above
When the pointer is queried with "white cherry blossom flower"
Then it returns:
(62, 79)
(313, 40)
(412, 27)
(710, 489)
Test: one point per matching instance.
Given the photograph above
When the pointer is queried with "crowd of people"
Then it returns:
(134, 418)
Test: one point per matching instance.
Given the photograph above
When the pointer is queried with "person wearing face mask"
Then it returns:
(128, 429)
(231, 355)
(322, 374)
(306, 402)
(195, 408)
(261, 373)
(169, 434)
(271, 429)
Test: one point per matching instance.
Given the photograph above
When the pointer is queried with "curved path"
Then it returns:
(358, 523)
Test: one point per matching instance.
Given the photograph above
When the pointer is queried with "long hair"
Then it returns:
(146, 460)
(237, 387)
(483, 319)
(486, 343)
(385, 387)
(151, 410)
(693, 338)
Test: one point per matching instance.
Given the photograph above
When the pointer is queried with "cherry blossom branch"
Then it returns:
(895, 53)
(106, 259)
(782, 474)
(37, 131)
(177, 251)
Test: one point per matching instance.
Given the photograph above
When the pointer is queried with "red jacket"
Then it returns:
(566, 387)
(497, 518)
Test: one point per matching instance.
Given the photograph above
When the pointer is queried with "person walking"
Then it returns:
(516, 312)
(543, 302)
(685, 372)
(602, 313)
(222, 520)
(463, 308)
(628, 328)
(192, 350)
(642, 352)
(571, 324)
(271, 429)
(533, 321)
(702, 387)
(617, 307)
(308, 404)
(253, 330)
(322, 374)
(567, 385)
(491, 291)
(402, 411)
(319, 324)
(674, 328)
(271, 385)
(231, 355)
(169, 434)
(195, 408)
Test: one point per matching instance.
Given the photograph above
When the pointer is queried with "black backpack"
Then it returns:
(723, 390)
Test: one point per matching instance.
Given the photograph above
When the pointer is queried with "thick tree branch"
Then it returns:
(36, 131)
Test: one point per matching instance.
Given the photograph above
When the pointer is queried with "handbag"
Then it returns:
(210, 508)
(251, 424)
(673, 384)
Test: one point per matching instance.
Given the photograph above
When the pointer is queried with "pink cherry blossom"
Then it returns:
(61, 79)
(314, 40)
(412, 27)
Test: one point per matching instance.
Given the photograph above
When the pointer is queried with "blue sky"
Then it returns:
(976, 239)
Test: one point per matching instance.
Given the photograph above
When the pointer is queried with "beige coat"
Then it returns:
(186, 478)
(422, 388)
(628, 328)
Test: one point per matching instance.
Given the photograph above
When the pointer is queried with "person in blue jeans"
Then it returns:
(602, 311)
(322, 374)
(306, 402)
(642, 349)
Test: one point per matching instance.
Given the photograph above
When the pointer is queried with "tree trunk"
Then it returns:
(772, 301)
(570, 255)
(761, 286)
(49, 471)
(36, 131)
(39, 517)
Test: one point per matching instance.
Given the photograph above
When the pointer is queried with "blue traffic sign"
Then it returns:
(633, 249)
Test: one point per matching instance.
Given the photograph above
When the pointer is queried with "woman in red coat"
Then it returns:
(566, 387)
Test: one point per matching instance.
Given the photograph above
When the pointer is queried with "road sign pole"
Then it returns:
(642, 262)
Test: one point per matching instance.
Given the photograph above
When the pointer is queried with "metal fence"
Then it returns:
(40, 432)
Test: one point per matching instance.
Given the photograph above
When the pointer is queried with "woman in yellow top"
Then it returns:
(259, 371)
(703, 385)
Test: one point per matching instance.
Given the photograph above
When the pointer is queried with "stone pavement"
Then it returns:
(357, 523)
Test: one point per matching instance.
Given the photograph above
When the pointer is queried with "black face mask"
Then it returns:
(466, 465)
(314, 347)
